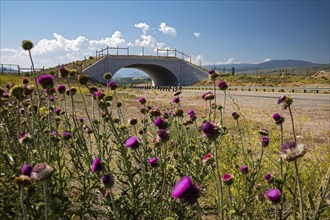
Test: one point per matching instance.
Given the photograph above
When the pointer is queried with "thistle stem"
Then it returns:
(199, 210)
(293, 130)
(215, 100)
(281, 160)
(224, 106)
(22, 202)
(301, 205)
(35, 79)
(230, 201)
(219, 178)
(45, 183)
(113, 204)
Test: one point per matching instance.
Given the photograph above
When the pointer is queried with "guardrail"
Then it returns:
(239, 88)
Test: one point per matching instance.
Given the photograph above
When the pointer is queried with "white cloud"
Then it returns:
(8, 50)
(197, 60)
(197, 34)
(231, 60)
(266, 60)
(115, 40)
(166, 29)
(143, 26)
(146, 41)
(51, 52)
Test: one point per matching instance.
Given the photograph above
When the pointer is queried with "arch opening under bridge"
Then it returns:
(158, 74)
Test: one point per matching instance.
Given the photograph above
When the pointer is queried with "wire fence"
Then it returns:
(17, 69)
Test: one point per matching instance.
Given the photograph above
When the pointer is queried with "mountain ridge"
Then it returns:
(272, 64)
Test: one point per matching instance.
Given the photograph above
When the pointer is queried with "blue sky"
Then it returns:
(213, 32)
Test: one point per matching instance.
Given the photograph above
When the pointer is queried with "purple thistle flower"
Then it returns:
(97, 165)
(46, 81)
(281, 99)
(211, 72)
(209, 96)
(112, 85)
(142, 100)
(274, 195)
(24, 138)
(159, 122)
(61, 89)
(66, 135)
(63, 72)
(58, 111)
(191, 113)
(166, 115)
(186, 190)
(41, 171)
(278, 119)
(227, 179)
(153, 161)
(162, 134)
(108, 180)
(285, 101)
(244, 169)
(235, 115)
(208, 129)
(132, 142)
(265, 141)
(222, 85)
(290, 151)
(27, 169)
(206, 157)
(268, 177)
(176, 99)
(205, 94)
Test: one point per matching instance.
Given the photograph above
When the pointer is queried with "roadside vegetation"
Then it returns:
(68, 151)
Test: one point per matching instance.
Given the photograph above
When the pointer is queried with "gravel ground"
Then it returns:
(311, 112)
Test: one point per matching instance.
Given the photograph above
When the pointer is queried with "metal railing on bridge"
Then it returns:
(159, 51)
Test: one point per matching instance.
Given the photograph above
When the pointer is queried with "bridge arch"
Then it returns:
(159, 75)
(164, 71)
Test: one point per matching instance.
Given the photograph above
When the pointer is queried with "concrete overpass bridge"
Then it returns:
(163, 70)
